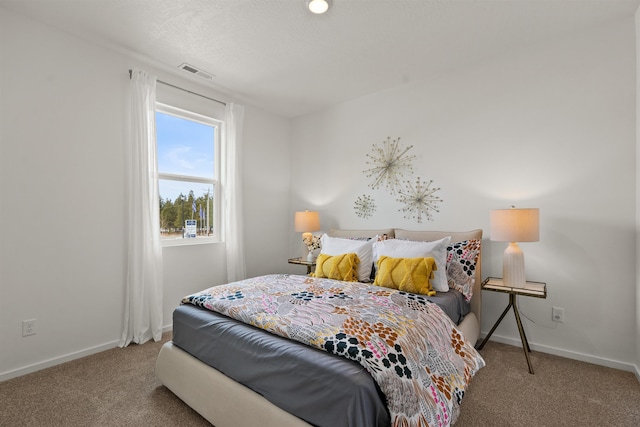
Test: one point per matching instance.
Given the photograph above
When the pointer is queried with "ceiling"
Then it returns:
(277, 55)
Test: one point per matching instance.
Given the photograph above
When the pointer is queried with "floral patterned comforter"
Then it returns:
(411, 348)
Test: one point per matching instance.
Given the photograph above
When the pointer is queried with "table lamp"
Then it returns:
(306, 222)
(514, 225)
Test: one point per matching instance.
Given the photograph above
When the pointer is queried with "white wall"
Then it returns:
(62, 244)
(637, 22)
(550, 126)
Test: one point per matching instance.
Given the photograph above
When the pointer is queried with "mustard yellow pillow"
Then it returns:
(406, 274)
(338, 267)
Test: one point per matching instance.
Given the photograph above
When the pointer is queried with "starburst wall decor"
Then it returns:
(390, 163)
(364, 206)
(418, 200)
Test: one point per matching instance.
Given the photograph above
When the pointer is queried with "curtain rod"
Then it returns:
(185, 90)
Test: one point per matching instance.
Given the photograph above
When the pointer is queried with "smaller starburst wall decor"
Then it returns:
(389, 164)
(419, 200)
(364, 206)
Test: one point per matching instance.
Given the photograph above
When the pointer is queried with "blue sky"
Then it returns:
(185, 147)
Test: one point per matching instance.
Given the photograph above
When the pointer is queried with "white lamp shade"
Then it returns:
(306, 221)
(515, 225)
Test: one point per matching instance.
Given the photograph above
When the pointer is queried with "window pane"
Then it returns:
(185, 147)
(186, 209)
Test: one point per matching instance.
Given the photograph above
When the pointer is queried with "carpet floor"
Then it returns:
(118, 388)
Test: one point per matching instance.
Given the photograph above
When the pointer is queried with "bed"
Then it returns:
(224, 401)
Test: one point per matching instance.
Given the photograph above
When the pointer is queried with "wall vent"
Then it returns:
(193, 70)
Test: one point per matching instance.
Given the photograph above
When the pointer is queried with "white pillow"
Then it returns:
(362, 248)
(437, 249)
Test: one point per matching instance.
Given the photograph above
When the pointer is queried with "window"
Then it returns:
(188, 169)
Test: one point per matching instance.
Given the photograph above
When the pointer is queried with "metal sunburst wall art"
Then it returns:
(364, 206)
(389, 165)
(419, 200)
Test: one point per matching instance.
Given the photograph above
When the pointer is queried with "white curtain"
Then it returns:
(232, 189)
(143, 304)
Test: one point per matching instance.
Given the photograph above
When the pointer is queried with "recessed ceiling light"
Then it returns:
(318, 6)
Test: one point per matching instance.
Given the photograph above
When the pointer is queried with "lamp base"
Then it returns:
(513, 266)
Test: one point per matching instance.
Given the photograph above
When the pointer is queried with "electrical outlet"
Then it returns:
(28, 327)
(557, 314)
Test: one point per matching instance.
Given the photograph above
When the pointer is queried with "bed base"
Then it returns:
(219, 399)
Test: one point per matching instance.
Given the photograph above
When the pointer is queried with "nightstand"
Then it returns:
(301, 261)
(530, 289)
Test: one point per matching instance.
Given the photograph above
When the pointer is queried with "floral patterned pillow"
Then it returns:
(461, 266)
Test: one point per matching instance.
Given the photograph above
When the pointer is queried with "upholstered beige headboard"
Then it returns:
(350, 234)
(427, 236)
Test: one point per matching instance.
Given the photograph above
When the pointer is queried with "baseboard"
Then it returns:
(570, 355)
(57, 360)
(501, 339)
(66, 358)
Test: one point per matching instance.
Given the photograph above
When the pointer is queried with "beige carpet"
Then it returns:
(562, 392)
(113, 388)
(118, 388)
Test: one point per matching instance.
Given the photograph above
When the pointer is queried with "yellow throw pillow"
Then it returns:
(406, 274)
(338, 267)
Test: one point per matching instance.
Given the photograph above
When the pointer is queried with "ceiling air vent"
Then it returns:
(193, 70)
